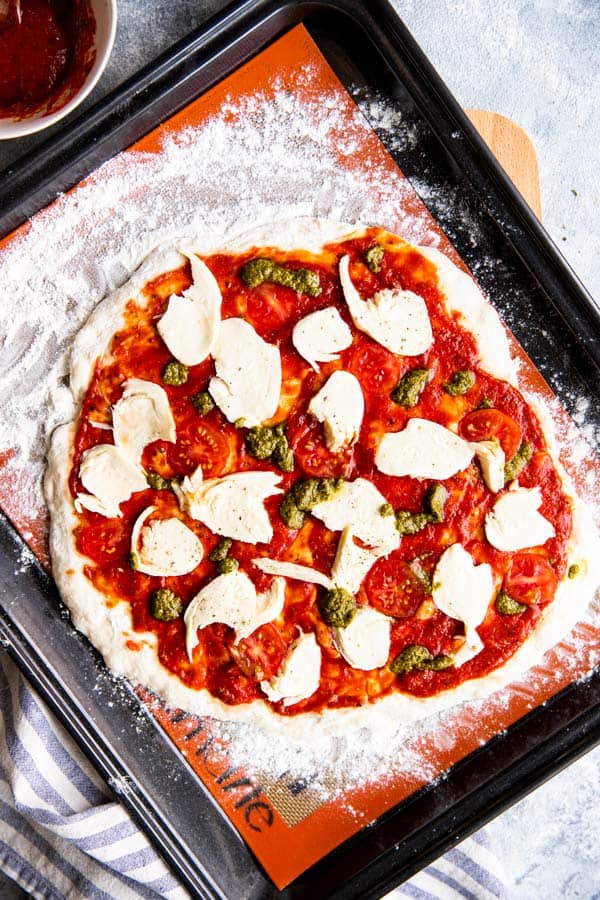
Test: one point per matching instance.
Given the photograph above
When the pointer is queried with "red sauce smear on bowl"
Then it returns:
(46, 57)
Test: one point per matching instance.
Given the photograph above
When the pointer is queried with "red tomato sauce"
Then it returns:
(398, 585)
(46, 57)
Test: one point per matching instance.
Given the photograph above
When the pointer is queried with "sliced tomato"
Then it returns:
(395, 589)
(307, 440)
(232, 687)
(377, 369)
(530, 579)
(485, 424)
(202, 443)
(260, 655)
(105, 542)
(269, 306)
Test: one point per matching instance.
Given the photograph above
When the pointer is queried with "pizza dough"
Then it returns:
(377, 474)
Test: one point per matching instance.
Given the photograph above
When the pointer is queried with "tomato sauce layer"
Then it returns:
(399, 585)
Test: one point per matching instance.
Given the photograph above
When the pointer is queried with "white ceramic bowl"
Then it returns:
(105, 13)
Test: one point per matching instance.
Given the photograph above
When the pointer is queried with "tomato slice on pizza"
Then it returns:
(307, 481)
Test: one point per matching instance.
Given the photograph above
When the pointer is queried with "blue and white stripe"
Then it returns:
(63, 836)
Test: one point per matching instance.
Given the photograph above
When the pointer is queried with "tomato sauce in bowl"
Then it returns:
(51, 59)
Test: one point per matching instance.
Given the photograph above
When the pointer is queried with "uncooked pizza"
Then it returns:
(303, 481)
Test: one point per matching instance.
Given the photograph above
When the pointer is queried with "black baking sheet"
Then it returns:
(373, 55)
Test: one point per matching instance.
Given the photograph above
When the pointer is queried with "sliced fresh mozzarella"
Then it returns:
(396, 319)
(229, 599)
(190, 325)
(248, 380)
(423, 449)
(141, 416)
(319, 336)
(357, 504)
(471, 647)
(340, 406)
(110, 477)
(365, 642)
(514, 523)
(491, 458)
(298, 677)
(352, 562)
(165, 546)
(233, 505)
(463, 591)
(232, 600)
(270, 604)
(292, 570)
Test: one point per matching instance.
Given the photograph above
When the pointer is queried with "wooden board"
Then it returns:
(514, 150)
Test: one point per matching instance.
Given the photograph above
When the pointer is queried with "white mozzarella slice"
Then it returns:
(340, 406)
(233, 505)
(471, 647)
(365, 642)
(141, 416)
(320, 336)
(514, 523)
(110, 478)
(298, 677)
(190, 325)
(247, 384)
(357, 504)
(229, 599)
(396, 319)
(270, 604)
(423, 449)
(352, 562)
(292, 570)
(463, 591)
(165, 546)
(491, 458)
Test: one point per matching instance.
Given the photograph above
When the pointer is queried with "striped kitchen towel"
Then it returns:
(62, 835)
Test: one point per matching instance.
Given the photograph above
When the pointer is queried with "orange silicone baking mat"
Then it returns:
(287, 824)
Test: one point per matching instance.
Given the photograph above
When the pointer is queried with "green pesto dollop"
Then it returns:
(515, 466)
(165, 605)
(418, 657)
(506, 606)
(270, 442)
(485, 403)
(303, 281)
(374, 258)
(308, 492)
(175, 373)
(461, 382)
(203, 402)
(229, 564)
(304, 495)
(221, 551)
(337, 607)
(289, 512)
(386, 509)
(283, 457)
(435, 502)
(573, 570)
(410, 387)
(157, 482)
(411, 523)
